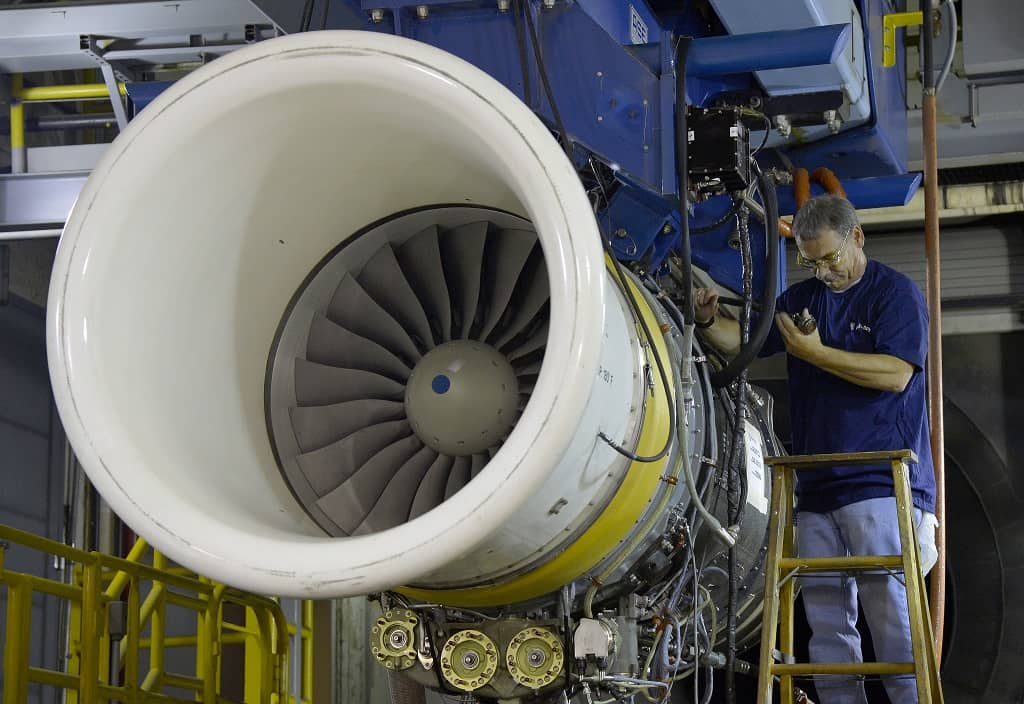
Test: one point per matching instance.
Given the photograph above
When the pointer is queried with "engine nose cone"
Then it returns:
(461, 398)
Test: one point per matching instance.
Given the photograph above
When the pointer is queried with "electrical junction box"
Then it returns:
(718, 151)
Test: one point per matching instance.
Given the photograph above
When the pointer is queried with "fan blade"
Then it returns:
(507, 254)
(459, 476)
(392, 509)
(350, 503)
(354, 309)
(420, 258)
(528, 304)
(532, 369)
(463, 249)
(329, 467)
(430, 492)
(333, 345)
(533, 343)
(479, 462)
(383, 279)
(319, 385)
(319, 426)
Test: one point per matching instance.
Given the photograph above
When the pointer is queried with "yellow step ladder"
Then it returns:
(782, 566)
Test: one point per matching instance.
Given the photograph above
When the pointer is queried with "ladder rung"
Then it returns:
(840, 458)
(837, 564)
(844, 668)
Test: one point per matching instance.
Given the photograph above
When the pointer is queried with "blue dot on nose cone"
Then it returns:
(441, 384)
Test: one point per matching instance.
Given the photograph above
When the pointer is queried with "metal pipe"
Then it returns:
(937, 598)
(49, 94)
(18, 154)
(72, 122)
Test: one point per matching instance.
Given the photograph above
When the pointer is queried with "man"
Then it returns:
(856, 384)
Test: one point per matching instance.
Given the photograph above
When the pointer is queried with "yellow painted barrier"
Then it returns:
(100, 580)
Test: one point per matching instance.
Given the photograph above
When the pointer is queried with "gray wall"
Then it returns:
(31, 468)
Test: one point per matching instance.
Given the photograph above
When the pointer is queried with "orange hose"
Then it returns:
(801, 187)
(829, 181)
(802, 190)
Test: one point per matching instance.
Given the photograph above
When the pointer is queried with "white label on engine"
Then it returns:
(637, 27)
(757, 485)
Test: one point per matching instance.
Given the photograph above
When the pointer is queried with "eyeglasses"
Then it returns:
(829, 260)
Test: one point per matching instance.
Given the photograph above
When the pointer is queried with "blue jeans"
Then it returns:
(863, 528)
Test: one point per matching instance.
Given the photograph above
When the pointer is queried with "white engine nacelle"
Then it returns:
(190, 251)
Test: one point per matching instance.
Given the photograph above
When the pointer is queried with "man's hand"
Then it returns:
(807, 347)
(705, 304)
(883, 372)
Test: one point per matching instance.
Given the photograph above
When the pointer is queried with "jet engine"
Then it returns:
(333, 317)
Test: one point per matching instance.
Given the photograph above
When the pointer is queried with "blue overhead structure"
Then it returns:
(810, 68)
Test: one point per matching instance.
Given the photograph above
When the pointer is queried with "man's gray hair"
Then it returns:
(826, 212)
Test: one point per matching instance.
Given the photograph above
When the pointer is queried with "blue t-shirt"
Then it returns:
(884, 313)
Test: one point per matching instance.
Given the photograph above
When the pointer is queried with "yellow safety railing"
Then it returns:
(101, 581)
(45, 94)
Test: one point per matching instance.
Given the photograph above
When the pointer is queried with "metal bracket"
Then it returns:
(782, 657)
(120, 112)
(92, 48)
(890, 23)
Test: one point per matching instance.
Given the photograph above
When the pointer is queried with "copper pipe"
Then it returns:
(937, 597)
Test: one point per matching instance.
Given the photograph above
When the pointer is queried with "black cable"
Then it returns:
(566, 143)
(695, 596)
(725, 376)
(735, 208)
(524, 62)
(323, 16)
(737, 458)
(682, 174)
(627, 291)
(738, 302)
(307, 16)
(764, 140)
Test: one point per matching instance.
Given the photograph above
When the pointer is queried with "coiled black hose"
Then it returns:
(749, 350)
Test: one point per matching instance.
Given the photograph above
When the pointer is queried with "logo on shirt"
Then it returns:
(858, 326)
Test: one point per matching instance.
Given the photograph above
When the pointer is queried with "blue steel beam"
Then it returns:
(864, 193)
(744, 53)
